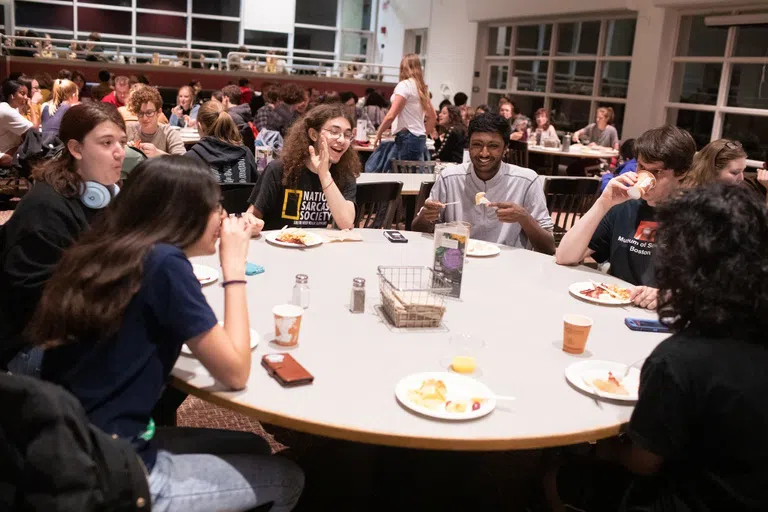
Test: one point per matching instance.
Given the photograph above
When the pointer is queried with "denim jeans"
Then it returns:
(204, 469)
(410, 146)
(27, 362)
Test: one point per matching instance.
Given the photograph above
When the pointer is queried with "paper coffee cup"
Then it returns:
(287, 324)
(645, 182)
(575, 333)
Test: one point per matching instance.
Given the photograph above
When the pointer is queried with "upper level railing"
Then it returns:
(129, 53)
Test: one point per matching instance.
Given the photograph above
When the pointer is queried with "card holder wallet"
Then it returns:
(286, 370)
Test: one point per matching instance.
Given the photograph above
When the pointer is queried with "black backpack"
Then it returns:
(52, 459)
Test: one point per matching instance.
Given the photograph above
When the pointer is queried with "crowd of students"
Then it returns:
(97, 293)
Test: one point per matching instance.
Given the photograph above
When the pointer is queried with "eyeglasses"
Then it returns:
(147, 114)
(338, 134)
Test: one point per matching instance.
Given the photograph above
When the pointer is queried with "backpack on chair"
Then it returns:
(52, 459)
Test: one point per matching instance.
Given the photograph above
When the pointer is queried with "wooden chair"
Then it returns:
(517, 153)
(376, 204)
(234, 196)
(568, 199)
(413, 167)
(424, 190)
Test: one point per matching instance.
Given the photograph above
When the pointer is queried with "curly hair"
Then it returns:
(295, 151)
(455, 122)
(712, 262)
(291, 94)
(142, 94)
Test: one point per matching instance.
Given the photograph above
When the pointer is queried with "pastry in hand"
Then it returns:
(481, 199)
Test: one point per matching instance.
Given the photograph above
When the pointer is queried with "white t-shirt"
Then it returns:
(12, 126)
(411, 118)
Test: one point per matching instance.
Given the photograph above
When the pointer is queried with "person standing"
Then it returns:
(410, 106)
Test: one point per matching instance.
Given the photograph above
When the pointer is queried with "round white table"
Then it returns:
(514, 301)
(575, 151)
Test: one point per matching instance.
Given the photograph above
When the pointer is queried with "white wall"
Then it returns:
(269, 15)
(487, 10)
(397, 16)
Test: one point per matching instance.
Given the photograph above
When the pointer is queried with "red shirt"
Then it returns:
(245, 94)
(112, 100)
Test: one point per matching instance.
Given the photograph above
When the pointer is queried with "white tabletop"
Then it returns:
(411, 181)
(515, 301)
(575, 151)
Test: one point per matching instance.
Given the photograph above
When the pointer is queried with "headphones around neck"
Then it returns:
(97, 196)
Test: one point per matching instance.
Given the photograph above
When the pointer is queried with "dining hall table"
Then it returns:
(514, 301)
(578, 151)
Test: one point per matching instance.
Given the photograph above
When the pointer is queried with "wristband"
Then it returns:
(234, 281)
(328, 185)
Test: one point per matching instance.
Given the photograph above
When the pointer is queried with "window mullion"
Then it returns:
(725, 82)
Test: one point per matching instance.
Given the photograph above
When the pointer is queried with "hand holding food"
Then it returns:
(481, 199)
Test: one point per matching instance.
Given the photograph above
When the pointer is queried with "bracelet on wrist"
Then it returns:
(328, 185)
(224, 284)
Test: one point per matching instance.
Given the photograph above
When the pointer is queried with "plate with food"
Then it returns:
(255, 338)
(481, 249)
(446, 396)
(605, 379)
(205, 274)
(294, 237)
(601, 293)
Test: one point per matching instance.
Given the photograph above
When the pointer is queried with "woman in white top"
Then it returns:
(543, 125)
(410, 104)
(13, 125)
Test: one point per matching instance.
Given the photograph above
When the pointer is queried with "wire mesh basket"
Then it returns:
(412, 296)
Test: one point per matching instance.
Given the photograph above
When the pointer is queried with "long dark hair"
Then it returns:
(296, 148)
(455, 122)
(60, 172)
(99, 275)
(712, 263)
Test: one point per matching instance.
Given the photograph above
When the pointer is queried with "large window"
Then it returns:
(720, 83)
(323, 29)
(569, 67)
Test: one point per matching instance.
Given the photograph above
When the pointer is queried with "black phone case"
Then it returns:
(400, 241)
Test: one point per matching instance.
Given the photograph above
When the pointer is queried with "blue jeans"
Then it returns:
(27, 362)
(204, 469)
(410, 146)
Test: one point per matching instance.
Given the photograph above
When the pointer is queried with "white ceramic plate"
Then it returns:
(481, 249)
(313, 239)
(605, 299)
(204, 274)
(255, 338)
(458, 387)
(579, 374)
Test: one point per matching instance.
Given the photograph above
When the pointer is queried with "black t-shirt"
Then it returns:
(303, 206)
(703, 407)
(626, 237)
(44, 224)
(119, 380)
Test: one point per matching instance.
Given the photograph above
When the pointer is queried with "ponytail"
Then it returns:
(214, 121)
(63, 89)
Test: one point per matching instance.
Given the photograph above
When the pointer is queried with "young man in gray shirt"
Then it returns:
(517, 214)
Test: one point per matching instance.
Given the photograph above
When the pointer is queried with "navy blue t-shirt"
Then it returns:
(119, 380)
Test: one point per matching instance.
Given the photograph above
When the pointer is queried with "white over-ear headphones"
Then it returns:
(97, 196)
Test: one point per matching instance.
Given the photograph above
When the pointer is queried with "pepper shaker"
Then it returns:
(357, 300)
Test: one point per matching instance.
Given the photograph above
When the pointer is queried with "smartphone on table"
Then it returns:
(645, 325)
(286, 370)
(395, 237)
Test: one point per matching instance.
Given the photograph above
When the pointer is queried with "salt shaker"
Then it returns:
(357, 300)
(301, 291)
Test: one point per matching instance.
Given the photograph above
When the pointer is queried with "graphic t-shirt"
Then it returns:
(303, 206)
(626, 237)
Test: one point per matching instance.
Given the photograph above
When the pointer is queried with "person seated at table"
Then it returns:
(65, 95)
(620, 230)
(119, 95)
(69, 191)
(184, 114)
(221, 146)
(628, 163)
(518, 122)
(482, 109)
(452, 138)
(696, 439)
(314, 182)
(517, 215)
(104, 87)
(601, 132)
(153, 139)
(32, 109)
(543, 126)
(374, 111)
(240, 113)
(114, 318)
(293, 103)
(721, 160)
(13, 125)
(271, 94)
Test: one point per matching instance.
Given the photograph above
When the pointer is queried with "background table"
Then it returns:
(515, 301)
(575, 151)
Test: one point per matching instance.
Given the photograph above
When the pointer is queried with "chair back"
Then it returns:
(424, 190)
(376, 204)
(568, 199)
(413, 167)
(249, 141)
(517, 153)
(234, 196)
